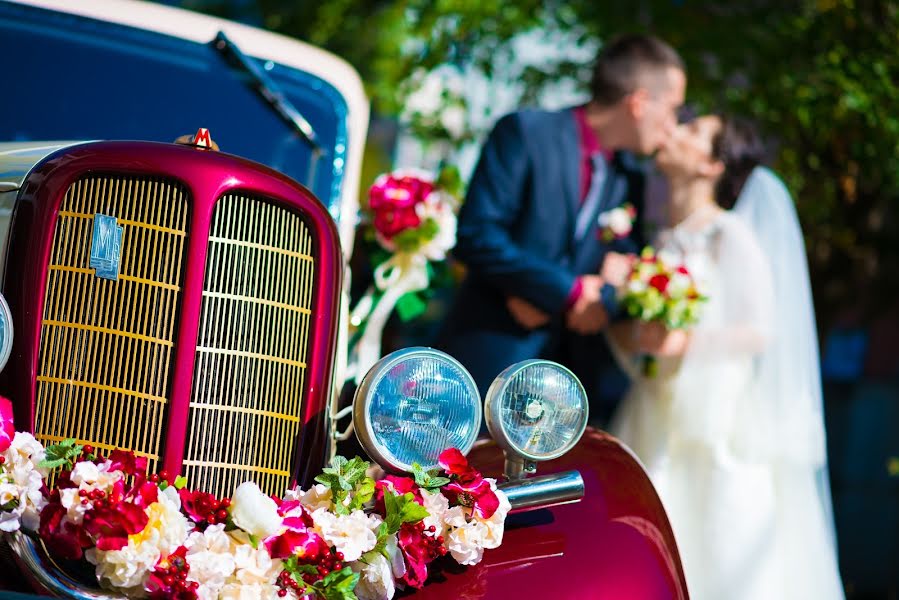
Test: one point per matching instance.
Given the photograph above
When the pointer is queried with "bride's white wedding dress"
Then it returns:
(731, 434)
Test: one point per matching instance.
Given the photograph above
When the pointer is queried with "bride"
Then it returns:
(730, 429)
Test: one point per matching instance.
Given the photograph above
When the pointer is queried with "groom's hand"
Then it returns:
(587, 315)
(617, 267)
(526, 314)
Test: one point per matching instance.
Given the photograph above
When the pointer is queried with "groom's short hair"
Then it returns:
(629, 62)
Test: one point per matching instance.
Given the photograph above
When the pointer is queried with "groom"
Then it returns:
(529, 229)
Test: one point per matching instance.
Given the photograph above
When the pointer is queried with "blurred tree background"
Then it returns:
(820, 76)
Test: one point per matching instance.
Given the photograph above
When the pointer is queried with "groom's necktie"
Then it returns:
(591, 204)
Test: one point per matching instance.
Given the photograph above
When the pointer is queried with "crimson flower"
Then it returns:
(65, 540)
(111, 526)
(126, 462)
(7, 427)
(399, 485)
(392, 200)
(304, 544)
(456, 466)
(417, 551)
(478, 494)
(659, 282)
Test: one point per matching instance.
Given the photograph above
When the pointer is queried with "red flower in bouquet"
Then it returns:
(203, 508)
(419, 549)
(62, 538)
(169, 579)
(110, 526)
(305, 544)
(659, 282)
(467, 486)
(398, 485)
(7, 428)
(392, 200)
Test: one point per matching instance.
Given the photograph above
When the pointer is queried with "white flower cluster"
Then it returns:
(88, 477)
(436, 100)
(441, 207)
(21, 500)
(618, 220)
(129, 568)
(466, 535)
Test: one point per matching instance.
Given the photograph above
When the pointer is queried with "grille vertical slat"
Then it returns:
(107, 346)
(244, 418)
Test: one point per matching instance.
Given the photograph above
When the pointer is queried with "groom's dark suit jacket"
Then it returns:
(517, 237)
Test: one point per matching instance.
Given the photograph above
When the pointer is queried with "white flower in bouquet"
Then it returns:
(375, 579)
(88, 477)
(129, 568)
(496, 523)
(255, 572)
(669, 260)
(453, 119)
(21, 481)
(254, 512)
(436, 505)
(464, 539)
(618, 220)
(318, 496)
(211, 560)
(440, 207)
(352, 534)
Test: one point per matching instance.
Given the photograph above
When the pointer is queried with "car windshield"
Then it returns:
(74, 78)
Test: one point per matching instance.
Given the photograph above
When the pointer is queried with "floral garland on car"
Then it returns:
(410, 223)
(347, 537)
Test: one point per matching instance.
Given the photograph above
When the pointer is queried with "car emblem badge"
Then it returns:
(106, 247)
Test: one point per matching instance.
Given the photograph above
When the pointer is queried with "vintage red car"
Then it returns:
(190, 305)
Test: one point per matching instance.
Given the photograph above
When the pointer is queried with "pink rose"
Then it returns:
(7, 427)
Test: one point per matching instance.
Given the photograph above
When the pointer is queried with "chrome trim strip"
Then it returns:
(36, 562)
(544, 491)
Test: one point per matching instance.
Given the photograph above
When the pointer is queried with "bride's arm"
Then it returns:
(747, 297)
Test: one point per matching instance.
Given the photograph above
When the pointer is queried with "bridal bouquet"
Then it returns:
(410, 222)
(146, 536)
(661, 288)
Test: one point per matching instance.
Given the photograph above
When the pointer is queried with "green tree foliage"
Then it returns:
(821, 76)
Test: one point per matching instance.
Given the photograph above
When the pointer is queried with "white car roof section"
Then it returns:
(259, 44)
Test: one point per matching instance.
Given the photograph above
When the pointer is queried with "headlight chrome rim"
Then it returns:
(363, 397)
(493, 406)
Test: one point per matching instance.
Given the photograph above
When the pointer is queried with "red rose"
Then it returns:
(659, 282)
(392, 192)
(65, 540)
(417, 549)
(456, 465)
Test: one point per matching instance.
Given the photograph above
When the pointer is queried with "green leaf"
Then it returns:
(410, 306)
(338, 585)
(429, 480)
(63, 453)
(180, 482)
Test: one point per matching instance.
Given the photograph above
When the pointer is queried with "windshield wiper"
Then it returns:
(269, 91)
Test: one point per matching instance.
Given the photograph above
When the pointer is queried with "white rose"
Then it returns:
(436, 505)
(495, 525)
(353, 534)
(620, 222)
(318, 496)
(210, 559)
(375, 579)
(85, 472)
(8, 493)
(254, 512)
(464, 539)
(453, 119)
(636, 286)
(679, 285)
(668, 258)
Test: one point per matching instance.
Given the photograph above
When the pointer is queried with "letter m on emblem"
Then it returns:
(106, 247)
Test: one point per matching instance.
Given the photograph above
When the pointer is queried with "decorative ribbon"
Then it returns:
(401, 274)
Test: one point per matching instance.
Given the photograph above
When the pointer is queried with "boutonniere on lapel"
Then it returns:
(617, 223)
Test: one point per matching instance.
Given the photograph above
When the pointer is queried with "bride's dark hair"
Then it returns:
(739, 146)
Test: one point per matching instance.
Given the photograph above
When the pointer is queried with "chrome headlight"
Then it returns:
(412, 405)
(536, 410)
(5, 332)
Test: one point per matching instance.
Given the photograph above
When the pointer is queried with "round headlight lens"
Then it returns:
(5, 332)
(414, 404)
(537, 408)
